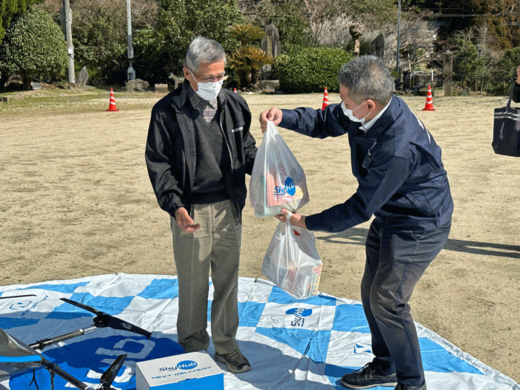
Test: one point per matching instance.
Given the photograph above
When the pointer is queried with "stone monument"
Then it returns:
(177, 81)
(378, 46)
(138, 84)
(270, 44)
(161, 88)
(355, 33)
(82, 78)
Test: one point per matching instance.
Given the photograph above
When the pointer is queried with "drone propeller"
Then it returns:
(82, 306)
(103, 320)
(109, 375)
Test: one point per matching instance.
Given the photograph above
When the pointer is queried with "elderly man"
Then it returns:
(403, 183)
(198, 151)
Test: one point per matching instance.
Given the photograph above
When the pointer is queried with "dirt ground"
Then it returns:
(75, 200)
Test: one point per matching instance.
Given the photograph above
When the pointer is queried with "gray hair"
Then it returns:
(367, 77)
(203, 50)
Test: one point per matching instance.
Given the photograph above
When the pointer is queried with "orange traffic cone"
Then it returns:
(429, 101)
(112, 104)
(325, 99)
(235, 90)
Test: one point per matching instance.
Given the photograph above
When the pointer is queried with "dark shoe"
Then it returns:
(235, 361)
(408, 387)
(369, 376)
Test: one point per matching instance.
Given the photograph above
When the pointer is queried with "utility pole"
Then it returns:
(131, 72)
(67, 19)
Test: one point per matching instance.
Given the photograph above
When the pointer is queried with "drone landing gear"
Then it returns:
(106, 379)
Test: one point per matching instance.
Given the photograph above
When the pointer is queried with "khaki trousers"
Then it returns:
(216, 247)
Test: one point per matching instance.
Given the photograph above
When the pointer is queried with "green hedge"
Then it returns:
(311, 69)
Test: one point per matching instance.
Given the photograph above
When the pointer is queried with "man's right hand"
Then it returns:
(518, 75)
(185, 222)
(274, 115)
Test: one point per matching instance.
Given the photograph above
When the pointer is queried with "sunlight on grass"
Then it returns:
(60, 100)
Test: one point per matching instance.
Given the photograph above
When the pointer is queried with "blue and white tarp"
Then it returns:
(291, 344)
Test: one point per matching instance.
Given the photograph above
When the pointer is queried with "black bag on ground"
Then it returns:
(506, 129)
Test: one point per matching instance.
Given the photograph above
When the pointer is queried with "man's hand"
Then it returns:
(274, 115)
(517, 76)
(184, 221)
(296, 219)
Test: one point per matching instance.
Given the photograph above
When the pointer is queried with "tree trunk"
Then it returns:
(4, 78)
(26, 82)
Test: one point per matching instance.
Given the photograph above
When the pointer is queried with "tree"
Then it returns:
(34, 47)
(464, 14)
(180, 21)
(10, 8)
(505, 72)
(99, 32)
(287, 15)
(247, 61)
(468, 65)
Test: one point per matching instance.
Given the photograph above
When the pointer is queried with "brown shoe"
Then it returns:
(235, 361)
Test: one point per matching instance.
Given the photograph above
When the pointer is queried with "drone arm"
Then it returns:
(41, 344)
(103, 320)
(65, 375)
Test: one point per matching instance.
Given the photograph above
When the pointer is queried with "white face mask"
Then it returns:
(208, 91)
(349, 113)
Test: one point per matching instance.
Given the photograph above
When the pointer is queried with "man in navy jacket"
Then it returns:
(402, 182)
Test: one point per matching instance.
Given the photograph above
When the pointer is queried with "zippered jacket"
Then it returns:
(397, 164)
(171, 154)
(516, 92)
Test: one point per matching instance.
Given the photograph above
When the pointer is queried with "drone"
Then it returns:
(17, 357)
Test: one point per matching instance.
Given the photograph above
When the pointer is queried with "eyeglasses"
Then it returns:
(209, 79)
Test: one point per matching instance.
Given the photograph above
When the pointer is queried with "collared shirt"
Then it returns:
(371, 122)
(207, 109)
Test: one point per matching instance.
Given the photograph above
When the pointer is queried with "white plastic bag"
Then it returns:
(292, 261)
(277, 180)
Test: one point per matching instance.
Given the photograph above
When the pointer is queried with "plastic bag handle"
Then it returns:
(288, 217)
(271, 127)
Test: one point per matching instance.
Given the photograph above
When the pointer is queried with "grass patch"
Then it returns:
(41, 102)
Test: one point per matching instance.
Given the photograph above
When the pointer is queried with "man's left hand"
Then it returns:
(296, 219)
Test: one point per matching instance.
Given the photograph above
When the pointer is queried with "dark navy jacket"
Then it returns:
(396, 162)
(516, 92)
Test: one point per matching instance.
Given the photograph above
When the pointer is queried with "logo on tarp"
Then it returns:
(20, 305)
(186, 365)
(299, 315)
(289, 188)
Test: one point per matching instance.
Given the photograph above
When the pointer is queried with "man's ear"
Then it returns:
(186, 72)
(371, 104)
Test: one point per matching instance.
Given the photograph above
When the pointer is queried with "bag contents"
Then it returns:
(292, 261)
(277, 180)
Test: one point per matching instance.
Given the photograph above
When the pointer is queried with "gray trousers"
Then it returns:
(216, 247)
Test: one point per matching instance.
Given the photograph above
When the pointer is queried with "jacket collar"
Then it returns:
(382, 122)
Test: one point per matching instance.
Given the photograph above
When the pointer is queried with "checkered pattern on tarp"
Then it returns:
(290, 343)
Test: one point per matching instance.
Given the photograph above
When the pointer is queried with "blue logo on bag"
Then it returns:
(187, 365)
(288, 188)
